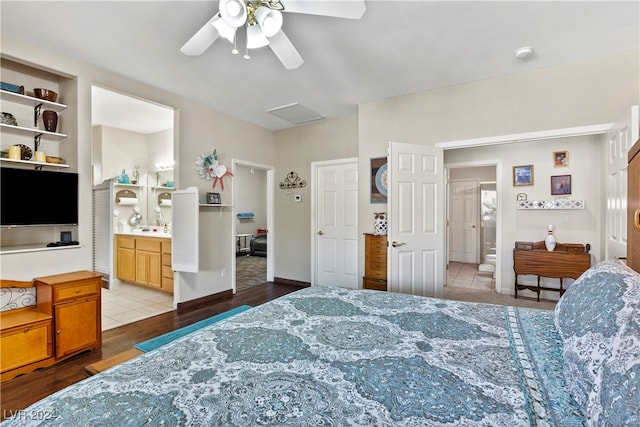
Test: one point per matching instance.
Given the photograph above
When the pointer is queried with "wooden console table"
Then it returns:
(567, 260)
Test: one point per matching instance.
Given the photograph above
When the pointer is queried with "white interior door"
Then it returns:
(336, 223)
(619, 140)
(463, 221)
(416, 221)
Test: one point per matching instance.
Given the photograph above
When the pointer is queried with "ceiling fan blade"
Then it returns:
(285, 51)
(352, 9)
(202, 39)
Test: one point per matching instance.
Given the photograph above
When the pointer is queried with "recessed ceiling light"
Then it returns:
(523, 53)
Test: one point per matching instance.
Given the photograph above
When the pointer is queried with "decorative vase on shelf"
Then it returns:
(550, 241)
(50, 120)
(123, 178)
(380, 223)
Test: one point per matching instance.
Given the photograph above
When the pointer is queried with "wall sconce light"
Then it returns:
(165, 165)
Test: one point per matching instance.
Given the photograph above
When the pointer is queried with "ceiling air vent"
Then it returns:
(295, 113)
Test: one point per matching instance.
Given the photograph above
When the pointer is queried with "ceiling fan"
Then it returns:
(263, 21)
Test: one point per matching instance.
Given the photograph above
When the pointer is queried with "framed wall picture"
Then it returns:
(522, 175)
(213, 198)
(560, 158)
(379, 178)
(560, 185)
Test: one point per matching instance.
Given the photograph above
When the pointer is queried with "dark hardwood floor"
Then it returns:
(22, 391)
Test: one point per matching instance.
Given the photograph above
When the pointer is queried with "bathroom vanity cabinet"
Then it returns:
(144, 261)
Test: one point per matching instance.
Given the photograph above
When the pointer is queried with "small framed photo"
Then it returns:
(213, 199)
(522, 175)
(560, 185)
(560, 158)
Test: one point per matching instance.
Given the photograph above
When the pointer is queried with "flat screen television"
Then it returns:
(30, 197)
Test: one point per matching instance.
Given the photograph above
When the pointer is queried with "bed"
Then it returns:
(336, 357)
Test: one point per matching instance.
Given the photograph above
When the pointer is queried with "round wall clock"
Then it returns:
(521, 197)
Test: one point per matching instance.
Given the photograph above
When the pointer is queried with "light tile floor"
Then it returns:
(127, 303)
(463, 275)
(466, 283)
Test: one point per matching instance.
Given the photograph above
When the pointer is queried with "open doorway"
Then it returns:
(131, 137)
(472, 215)
(253, 222)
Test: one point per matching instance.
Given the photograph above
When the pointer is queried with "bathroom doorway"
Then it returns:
(474, 214)
(133, 137)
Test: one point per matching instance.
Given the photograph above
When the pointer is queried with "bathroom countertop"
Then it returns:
(160, 233)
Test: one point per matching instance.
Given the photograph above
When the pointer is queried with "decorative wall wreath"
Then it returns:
(210, 169)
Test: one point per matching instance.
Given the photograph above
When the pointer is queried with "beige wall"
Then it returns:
(251, 197)
(296, 149)
(576, 94)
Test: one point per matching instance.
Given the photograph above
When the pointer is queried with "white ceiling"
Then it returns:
(398, 47)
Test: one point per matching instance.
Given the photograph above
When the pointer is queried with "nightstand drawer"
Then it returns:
(76, 290)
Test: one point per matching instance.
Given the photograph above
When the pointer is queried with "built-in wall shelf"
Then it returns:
(32, 132)
(130, 185)
(34, 248)
(32, 102)
(550, 204)
(214, 205)
(34, 163)
(160, 187)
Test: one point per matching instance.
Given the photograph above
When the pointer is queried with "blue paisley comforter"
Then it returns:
(335, 357)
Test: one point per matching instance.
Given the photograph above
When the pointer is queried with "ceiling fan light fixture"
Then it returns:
(255, 37)
(225, 30)
(270, 20)
(234, 12)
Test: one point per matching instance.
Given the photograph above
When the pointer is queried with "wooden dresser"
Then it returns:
(375, 262)
(567, 260)
(633, 208)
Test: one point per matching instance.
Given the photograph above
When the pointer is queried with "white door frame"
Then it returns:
(314, 218)
(497, 163)
(235, 163)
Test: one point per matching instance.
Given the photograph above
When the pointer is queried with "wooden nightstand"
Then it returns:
(73, 299)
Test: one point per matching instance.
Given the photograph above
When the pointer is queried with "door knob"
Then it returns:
(320, 233)
(473, 226)
(396, 244)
